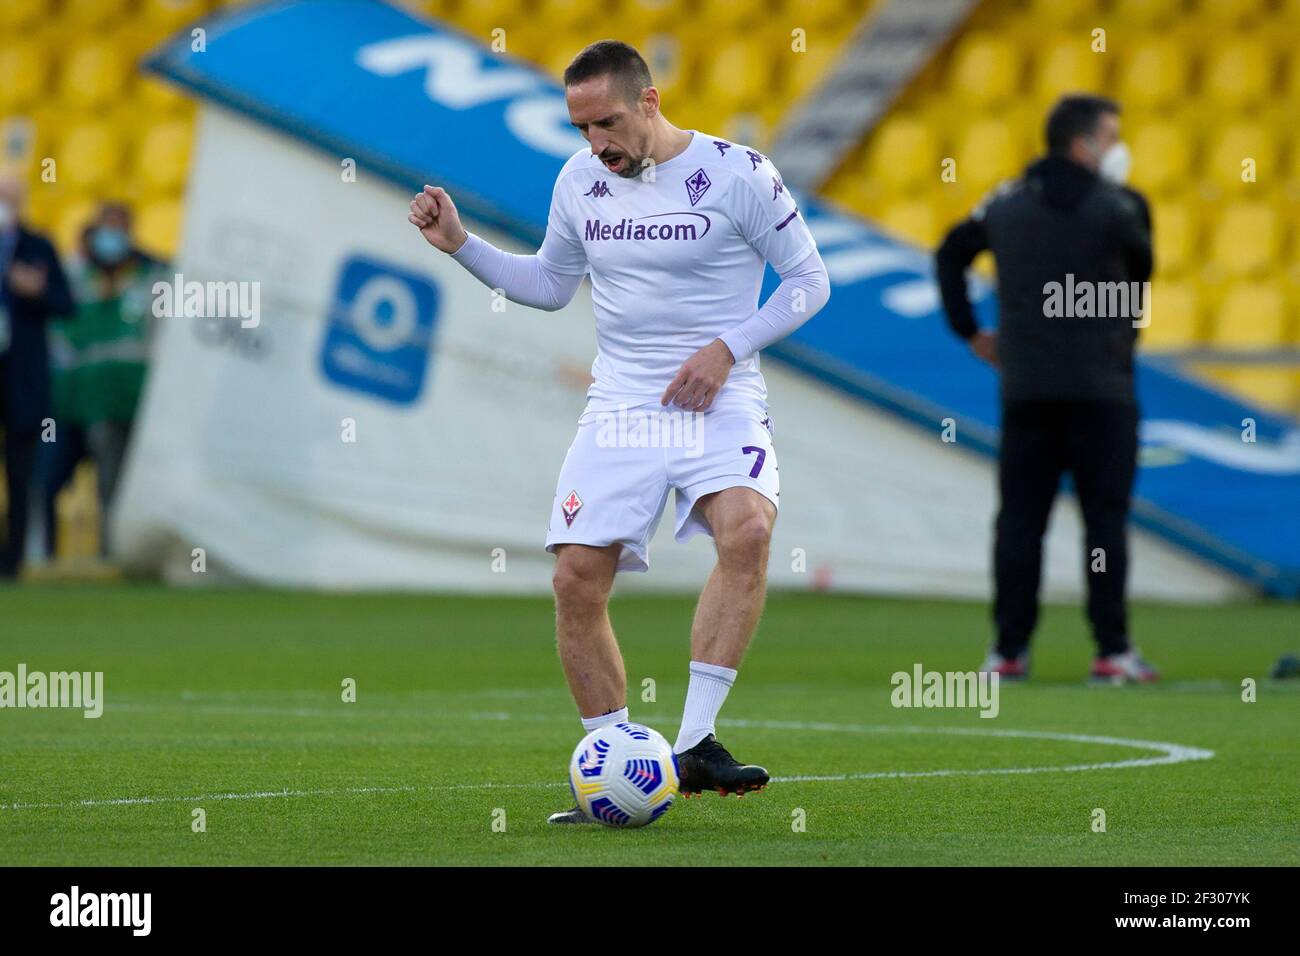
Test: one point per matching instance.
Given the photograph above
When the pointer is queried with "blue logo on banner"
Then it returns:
(380, 329)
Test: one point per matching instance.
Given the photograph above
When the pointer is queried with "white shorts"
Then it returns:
(616, 477)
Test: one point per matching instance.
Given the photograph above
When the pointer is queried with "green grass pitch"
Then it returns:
(231, 701)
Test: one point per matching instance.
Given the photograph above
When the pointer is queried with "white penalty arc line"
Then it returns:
(1167, 754)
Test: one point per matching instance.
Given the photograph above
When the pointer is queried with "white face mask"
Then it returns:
(8, 216)
(1115, 164)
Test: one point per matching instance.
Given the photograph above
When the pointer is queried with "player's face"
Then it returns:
(618, 131)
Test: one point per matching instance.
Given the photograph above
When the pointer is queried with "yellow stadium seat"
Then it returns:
(15, 14)
(1145, 13)
(93, 13)
(734, 77)
(985, 71)
(670, 65)
(52, 119)
(24, 68)
(41, 211)
(1053, 14)
(556, 61)
(481, 17)
(826, 14)
(903, 155)
(1237, 73)
(1153, 73)
(1176, 235)
(987, 151)
(134, 40)
(161, 98)
(1291, 77)
(1231, 146)
(561, 16)
(1230, 13)
(93, 75)
(1175, 316)
(1162, 157)
(849, 189)
(163, 155)
(1245, 239)
(443, 9)
(537, 47)
(71, 218)
(1288, 11)
(1252, 315)
(915, 220)
(655, 14)
(724, 16)
(1067, 64)
(168, 15)
(158, 227)
(89, 155)
(1276, 386)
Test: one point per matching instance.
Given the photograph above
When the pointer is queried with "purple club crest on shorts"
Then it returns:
(697, 184)
(571, 506)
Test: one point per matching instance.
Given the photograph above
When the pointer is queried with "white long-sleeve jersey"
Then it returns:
(676, 260)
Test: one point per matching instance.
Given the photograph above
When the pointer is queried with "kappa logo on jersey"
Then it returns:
(571, 506)
(722, 147)
(778, 187)
(599, 190)
(697, 184)
(755, 158)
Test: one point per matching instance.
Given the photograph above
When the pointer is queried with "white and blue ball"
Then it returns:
(624, 775)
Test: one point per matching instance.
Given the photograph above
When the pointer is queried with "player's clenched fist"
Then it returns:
(700, 378)
(435, 215)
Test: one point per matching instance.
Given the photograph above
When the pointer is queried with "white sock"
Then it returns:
(704, 696)
(604, 720)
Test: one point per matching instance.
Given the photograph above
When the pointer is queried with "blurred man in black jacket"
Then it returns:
(33, 288)
(1072, 248)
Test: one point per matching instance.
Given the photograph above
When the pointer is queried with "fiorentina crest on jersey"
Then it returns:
(697, 184)
(571, 506)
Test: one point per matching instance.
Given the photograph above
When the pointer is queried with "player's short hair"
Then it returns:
(612, 58)
(1073, 116)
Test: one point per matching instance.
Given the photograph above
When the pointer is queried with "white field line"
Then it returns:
(1167, 754)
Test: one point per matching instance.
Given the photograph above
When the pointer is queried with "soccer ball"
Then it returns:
(624, 775)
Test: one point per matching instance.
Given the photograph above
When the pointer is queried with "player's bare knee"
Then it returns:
(578, 582)
(745, 541)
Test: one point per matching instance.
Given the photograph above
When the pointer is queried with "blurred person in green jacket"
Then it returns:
(100, 356)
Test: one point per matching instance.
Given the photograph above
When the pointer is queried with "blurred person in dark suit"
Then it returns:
(33, 289)
(1068, 398)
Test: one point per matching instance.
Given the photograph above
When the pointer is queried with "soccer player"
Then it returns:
(674, 227)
